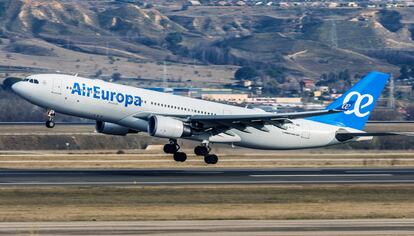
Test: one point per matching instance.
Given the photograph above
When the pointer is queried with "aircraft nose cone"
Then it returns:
(15, 87)
(10, 81)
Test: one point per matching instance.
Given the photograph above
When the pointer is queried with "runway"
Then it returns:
(196, 176)
(214, 227)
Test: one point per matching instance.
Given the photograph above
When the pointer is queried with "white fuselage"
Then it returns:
(123, 105)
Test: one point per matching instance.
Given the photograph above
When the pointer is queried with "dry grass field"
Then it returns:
(206, 202)
(137, 159)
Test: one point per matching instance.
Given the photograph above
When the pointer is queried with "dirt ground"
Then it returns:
(206, 202)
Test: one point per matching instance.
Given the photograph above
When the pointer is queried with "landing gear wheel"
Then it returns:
(50, 124)
(201, 150)
(211, 159)
(170, 148)
(180, 157)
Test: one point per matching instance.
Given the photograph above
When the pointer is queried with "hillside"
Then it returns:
(299, 42)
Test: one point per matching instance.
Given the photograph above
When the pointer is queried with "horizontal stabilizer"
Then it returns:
(347, 136)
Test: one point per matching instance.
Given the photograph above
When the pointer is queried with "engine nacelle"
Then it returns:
(167, 127)
(111, 128)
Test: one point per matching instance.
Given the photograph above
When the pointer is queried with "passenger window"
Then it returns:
(31, 81)
(36, 81)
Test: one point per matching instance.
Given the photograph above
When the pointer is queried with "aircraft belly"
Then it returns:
(280, 139)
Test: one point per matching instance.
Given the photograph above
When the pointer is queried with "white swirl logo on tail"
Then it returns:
(369, 99)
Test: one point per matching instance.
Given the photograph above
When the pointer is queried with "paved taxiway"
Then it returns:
(10, 177)
(376, 227)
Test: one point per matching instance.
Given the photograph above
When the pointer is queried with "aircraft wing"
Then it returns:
(259, 117)
(220, 123)
(223, 122)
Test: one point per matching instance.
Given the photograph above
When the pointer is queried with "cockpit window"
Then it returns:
(33, 81)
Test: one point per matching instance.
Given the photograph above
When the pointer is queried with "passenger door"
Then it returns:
(305, 131)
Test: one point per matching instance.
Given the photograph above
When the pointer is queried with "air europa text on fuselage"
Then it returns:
(102, 94)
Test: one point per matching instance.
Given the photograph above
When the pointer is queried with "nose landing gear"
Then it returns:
(50, 123)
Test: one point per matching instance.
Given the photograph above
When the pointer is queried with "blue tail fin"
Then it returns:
(357, 103)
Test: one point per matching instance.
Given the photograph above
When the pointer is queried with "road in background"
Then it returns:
(377, 227)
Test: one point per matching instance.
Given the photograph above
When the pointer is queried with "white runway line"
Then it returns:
(379, 171)
(327, 175)
(216, 227)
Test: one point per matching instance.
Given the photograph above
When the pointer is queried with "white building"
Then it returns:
(194, 3)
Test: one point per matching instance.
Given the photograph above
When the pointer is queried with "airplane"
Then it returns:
(120, 110)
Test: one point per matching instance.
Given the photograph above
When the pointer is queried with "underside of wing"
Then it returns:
(220, 123)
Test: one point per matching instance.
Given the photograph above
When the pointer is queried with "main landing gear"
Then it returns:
(172, 148)
(50, 123)
(202, 150)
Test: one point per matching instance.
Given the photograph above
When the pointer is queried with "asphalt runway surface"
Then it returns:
(195, 176)
(376, 227)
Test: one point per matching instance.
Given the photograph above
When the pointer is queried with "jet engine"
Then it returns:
(112, 129)
(167, 127)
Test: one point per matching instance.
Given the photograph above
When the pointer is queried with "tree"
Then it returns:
(344, 75)
(116, 76)
(98, 73)
(184, 7)
(271, 88)
(406, 72)
(410, 112)
(277, 73)
(174, 38)
(245, 73)
(339, 82)
(391, 20)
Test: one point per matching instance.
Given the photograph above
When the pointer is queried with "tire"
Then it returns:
(211, 159)
(170, 148)
(180, 157)
(50, 124)
(201, 151)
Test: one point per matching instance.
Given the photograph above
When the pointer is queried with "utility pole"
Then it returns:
(391, 99)
(334, 36)
(165, 83)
